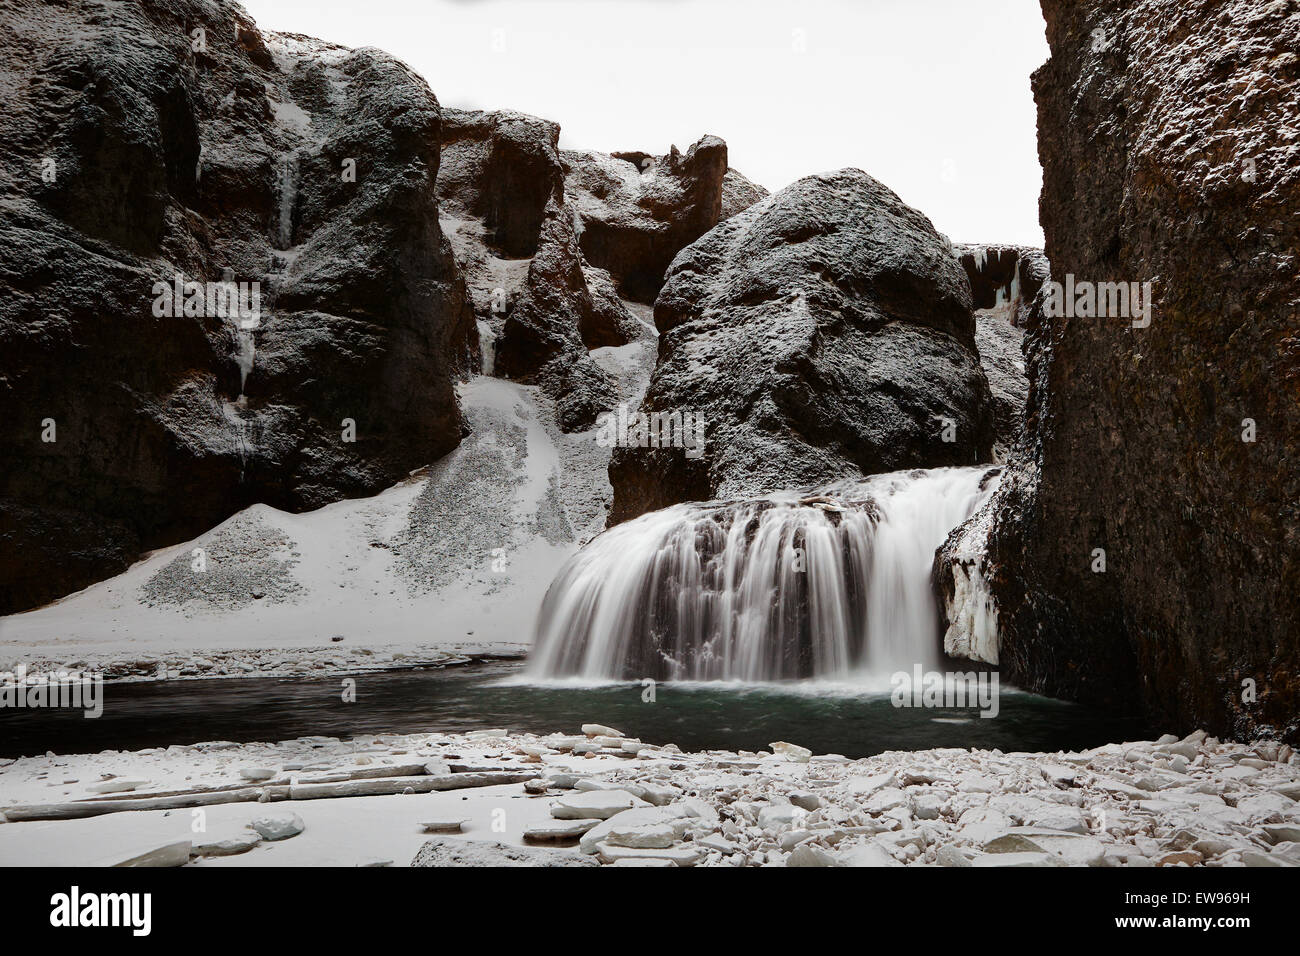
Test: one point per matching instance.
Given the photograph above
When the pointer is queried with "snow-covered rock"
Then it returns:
(594, 804)
(278, 826)
(456, 852)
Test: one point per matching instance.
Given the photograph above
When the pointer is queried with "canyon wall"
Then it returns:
(1144, 547)
(170, 141)
(168, 145)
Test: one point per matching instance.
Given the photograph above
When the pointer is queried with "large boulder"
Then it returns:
(1143, 551)
(824, 332)
(172, 138)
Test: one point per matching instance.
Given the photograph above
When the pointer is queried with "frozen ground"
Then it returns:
(453, 561)
(1192, 802)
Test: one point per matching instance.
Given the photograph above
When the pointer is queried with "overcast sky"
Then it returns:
(931, 97)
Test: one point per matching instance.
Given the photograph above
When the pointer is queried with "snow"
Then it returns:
(245, 356)
(356, 568)
(339, 831)
(291, 116)
(910, 808)
(352, 831)
(230, 411)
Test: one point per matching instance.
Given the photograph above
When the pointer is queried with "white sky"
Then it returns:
(931, 97)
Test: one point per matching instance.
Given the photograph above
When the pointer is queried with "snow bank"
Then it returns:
(454, 560)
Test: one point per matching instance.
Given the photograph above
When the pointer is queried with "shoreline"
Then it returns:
(596, 796)
(286, 662)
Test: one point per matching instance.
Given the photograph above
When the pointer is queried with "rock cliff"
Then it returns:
(1143, 550)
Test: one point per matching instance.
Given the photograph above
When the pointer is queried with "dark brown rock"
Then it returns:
(738, 194)
(503, 203)
(538, 293)
(503, 167)
(548, 333)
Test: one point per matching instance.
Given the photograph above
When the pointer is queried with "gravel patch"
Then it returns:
(244, 561)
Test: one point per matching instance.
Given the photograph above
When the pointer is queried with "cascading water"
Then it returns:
(243, 312)
(287, 187)
(488, 346)
(245, 356)
(832, 584)
(243, 443)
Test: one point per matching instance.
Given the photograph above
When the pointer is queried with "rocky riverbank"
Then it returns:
(597, 797)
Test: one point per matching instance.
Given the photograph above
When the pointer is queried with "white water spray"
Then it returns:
(832, 584)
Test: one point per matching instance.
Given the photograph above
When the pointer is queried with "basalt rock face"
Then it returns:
(822, 333)
(1167, 132)
(170, 137)
(637, 211)
(739, 193)
(554, 244)
(548, 334)
(539, 304)
(504, 168)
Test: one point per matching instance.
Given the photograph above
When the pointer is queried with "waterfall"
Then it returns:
(243, 312)
(233, 413)
(832, 584)
(245, 356)
(487, 346)
(287, 187)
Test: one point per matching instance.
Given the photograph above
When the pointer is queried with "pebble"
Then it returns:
(443, 826)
